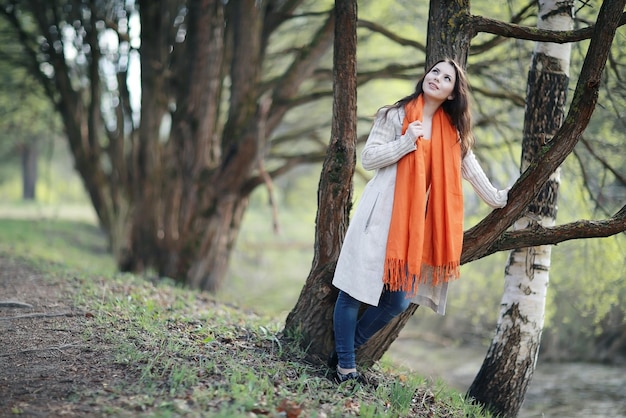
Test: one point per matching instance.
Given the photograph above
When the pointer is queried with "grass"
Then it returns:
(185, 353)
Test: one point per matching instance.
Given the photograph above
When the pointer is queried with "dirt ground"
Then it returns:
(45, 358)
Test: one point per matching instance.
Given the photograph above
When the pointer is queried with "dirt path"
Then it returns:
(45, 358)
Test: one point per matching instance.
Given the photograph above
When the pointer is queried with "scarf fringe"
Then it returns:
(397, 276)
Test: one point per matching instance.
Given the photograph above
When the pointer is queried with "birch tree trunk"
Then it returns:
(503, 379)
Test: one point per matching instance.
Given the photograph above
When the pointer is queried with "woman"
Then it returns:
(404, 242)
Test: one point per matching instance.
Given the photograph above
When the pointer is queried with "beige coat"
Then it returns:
(359, 269)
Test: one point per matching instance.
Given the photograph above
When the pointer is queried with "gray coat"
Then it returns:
(359, 269)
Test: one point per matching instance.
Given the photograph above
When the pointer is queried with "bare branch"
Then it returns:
(510, 30)
(510, 96)
(539, 235)
(33, 350)
(390, 35)
(497, 40)
(554, 153)
(301, 69)
(288, 165)
(14, 304)
(618, 176)
(587, 183)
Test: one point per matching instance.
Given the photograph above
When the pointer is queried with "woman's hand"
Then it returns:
(415, 130)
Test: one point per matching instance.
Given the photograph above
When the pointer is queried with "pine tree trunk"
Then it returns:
(504, 376)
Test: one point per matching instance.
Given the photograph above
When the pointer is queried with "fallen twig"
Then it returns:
(41, 315)
(32, 350)
(14, 304)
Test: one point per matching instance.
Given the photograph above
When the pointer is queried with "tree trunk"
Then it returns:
(173, 230)
(311, 318)
(449, 31)
(141, 250)
(197, 183)
(310, 321)
(29, 170)
(503, 379)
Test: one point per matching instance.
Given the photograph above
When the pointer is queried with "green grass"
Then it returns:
(79, 245)
(185, 353)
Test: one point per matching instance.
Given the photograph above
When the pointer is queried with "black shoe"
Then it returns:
(333, 360)
(352, 376)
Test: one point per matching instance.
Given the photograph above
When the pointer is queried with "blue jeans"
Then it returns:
(352, 332)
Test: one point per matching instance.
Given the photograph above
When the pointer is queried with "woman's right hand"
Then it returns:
(415, 130)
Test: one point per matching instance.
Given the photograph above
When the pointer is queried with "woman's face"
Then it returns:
(439, 82)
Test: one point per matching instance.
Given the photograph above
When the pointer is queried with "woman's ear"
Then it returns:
(450, 97)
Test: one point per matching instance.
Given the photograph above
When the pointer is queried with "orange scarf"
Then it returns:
(420, 248)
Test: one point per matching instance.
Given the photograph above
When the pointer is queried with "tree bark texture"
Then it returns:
(148, 175)
(311, 319)
(504, 376)
(216, 170)
(449, 31)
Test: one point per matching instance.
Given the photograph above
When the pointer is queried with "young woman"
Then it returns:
(404, 242)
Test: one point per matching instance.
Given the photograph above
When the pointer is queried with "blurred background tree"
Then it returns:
(29, 125)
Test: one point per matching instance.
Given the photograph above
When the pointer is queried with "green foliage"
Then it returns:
(26, 114)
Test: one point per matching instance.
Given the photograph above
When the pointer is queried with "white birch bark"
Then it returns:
(512, 356)
(527, 271)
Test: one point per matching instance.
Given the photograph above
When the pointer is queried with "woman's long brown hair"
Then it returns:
(457, 108)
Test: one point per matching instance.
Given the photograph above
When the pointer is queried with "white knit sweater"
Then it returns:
(379, 152)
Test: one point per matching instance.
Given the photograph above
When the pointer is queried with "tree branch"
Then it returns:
(497, 40)
(300, 70)
(618, 176)
(509, 96)
(511, 30)
(14, 304)
(390, 35)
(479, 238)
(539, 235)
(33, 350)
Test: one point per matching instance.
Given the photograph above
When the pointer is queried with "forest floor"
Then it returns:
(44, 357)
(126, 347)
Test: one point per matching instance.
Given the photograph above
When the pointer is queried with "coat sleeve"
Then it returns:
(386, 144)
(473, 172)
